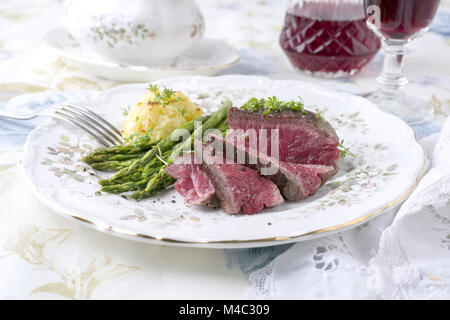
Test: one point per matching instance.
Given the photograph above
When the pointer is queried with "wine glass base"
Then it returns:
(412, 110)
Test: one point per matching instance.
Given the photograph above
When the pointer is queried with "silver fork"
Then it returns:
(100, 129)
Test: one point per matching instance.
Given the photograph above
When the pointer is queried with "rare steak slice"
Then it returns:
(304, 138)
(192, 182)
(240, 188)
(296, 181)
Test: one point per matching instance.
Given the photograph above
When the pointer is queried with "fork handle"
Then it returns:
(17, 117)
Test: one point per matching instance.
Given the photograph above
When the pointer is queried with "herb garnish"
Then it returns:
(160, 156)
(165, 96)
(273, 104)
(182, 111)
(320, 116)
(344, 151)
(138, 138)
(126, 111)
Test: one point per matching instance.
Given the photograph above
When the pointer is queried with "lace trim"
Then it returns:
(261, 283)
(390, 274)
(389, 271)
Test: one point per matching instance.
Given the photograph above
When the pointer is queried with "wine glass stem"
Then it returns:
(392, 78)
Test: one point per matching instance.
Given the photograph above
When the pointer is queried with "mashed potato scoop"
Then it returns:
(161, 111)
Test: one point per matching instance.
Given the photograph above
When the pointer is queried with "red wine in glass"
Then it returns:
(403, 19)
(397, 23)
(328, 38)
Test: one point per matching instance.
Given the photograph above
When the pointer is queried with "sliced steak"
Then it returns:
(303, 137)
(296, 181)
(192, 182)
(240, 188)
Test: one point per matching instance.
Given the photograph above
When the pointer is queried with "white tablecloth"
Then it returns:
(45, 256)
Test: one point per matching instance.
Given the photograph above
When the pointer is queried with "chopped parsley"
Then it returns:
(320, 116)
(273, 104)
(165, 96)
(126, 111)
(182, 111)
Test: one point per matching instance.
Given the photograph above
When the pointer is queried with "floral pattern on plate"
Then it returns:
(387, 164)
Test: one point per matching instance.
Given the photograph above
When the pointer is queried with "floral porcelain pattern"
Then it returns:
(207, 57)
(139, 32)
(379, 175)
(118, 30)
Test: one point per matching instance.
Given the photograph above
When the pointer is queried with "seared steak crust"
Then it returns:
(303, 137)
(237, 115)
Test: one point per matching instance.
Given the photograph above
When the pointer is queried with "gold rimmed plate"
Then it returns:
(388, 165)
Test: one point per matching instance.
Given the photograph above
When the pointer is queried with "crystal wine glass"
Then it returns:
(397, 23)
(328, 38)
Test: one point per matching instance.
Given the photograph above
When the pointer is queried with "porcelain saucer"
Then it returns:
(206, 58)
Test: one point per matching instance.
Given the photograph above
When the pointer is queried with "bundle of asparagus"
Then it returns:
(140, 163)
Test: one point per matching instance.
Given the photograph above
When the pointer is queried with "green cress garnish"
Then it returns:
(344, 151)
(163, 97)
(273, 104)
(320, 116)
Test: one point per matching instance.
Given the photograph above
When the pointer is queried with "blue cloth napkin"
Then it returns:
(441, 23)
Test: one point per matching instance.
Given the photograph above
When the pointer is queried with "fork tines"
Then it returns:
(104, 132)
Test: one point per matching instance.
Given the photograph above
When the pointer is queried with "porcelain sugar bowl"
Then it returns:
(135, 32)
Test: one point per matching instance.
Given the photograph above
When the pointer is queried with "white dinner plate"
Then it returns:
(388, 164)
(206, 58)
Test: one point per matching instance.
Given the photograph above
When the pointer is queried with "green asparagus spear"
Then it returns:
(165, 144)
(112, 165)
(133, 145)
(125, 187)
(134, 177)
(223, 126)
(216, 118)
(157, 184)
(116, 157)
(161, 181)
(144, 171)
(120, 151)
